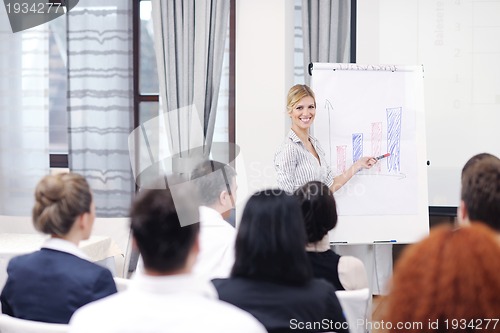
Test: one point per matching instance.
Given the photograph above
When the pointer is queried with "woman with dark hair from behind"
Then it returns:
(320, 216)
(52, 283)
(271, 277)
(447, 283)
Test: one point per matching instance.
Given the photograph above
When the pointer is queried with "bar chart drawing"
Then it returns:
(382, 132)
(377, 140)
(371, 111)
(357, 146)
(394, 139)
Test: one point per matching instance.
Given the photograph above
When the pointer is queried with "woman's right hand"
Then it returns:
(365, 162)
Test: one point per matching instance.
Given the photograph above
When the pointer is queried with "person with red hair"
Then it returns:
(448, 282)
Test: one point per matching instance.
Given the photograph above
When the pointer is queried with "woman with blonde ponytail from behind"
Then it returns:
(52, 283)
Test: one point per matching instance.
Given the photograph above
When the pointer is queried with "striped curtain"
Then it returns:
(325, 31)
(298, 45)
(100, 100)
(190, 40)
(24, 115)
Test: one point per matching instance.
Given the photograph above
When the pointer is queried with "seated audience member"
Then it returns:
(476, 158)
(320, 216)
(271, 277)
(50, 284)
(216, 183)
(480, 195)
(165, 296)
(448, 282)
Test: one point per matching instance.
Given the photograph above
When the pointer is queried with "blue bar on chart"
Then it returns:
(357, 146)
(394, 138)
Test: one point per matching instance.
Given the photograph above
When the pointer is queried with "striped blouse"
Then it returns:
(296, 166)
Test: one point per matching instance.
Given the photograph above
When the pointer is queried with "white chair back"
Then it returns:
(119, 230)
(356, 306)
(10, 324)
(116, 228)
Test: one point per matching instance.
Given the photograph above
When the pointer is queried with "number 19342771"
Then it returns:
(34, 8)
(473, 324)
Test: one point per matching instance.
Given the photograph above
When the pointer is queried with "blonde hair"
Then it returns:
(296, 93)
(59, 200)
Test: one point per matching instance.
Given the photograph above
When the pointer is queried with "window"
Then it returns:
(58, 84)
(148, 87)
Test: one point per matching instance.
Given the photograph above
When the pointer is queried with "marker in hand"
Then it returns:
(382, 156)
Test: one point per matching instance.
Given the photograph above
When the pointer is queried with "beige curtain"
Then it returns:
(100, 100)
(24, 114)
(190, 39)
(326, 31)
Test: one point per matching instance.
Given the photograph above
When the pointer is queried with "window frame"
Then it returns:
(62, 160)
(145, 98)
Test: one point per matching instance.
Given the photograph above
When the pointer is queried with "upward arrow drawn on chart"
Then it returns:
(329, 108)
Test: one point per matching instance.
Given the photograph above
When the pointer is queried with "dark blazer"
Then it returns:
(49, 285)
(282, 308)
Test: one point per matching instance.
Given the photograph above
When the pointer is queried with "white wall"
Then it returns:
(264, 73)
(387, 32)
(458, 42)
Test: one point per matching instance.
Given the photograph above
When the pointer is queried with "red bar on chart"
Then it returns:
(377, 144)
(341, 159)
